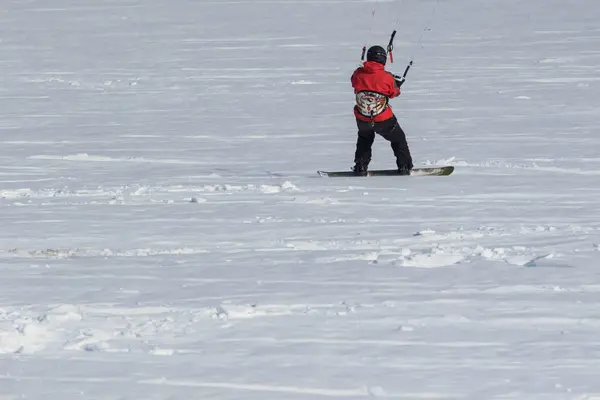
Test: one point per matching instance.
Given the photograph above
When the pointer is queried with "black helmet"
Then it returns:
(377, 54)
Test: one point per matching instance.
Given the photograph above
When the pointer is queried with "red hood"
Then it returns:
(372, 66)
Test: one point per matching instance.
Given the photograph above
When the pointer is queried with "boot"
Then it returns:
(404, 169)
(360, 168)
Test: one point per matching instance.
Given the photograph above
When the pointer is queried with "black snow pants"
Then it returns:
(389, 130)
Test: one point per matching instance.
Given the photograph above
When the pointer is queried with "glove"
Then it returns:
(399, 80)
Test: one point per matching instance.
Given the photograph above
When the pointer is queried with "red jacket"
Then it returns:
(373, 87)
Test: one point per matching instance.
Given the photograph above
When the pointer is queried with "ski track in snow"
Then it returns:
(164, 235)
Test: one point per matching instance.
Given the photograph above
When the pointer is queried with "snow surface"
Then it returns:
(164, 235)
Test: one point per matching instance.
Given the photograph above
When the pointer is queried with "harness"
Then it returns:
(370, 104)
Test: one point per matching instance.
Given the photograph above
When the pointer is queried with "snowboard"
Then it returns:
(423, 171)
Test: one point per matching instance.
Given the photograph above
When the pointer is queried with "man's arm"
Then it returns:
(353, 77)
(395, 91)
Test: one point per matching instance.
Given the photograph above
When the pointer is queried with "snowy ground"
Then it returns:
(163, 233)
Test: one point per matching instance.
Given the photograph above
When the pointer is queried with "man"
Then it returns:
(374, 87)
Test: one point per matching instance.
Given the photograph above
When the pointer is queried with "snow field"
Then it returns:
(163, 233)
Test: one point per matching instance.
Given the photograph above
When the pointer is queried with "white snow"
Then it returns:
(164, 234)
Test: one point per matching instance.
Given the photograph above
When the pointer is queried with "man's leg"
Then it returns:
(364, 143)
(391, 131)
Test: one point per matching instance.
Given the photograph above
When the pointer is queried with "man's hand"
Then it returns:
(399, 80)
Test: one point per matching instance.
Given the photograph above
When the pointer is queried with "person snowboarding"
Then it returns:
(373, 88)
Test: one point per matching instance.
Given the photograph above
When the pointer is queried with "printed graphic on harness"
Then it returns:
(371, 104)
